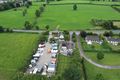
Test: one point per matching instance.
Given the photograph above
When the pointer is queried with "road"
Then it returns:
(82, 54)
(28, 31)
(71, 32)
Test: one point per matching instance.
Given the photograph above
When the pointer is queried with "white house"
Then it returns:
(93, 39)
(113, 41)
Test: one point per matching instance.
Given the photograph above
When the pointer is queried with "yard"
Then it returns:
(109, 58)
(15, 50)
(95, 46)
(67, 19)
(92, 71)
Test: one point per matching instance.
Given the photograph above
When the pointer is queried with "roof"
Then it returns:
(93, 38)
(113, 39)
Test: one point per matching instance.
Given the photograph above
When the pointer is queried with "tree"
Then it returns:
(75, 7)
(37, 13)
(27, 25)
(24, 12)
(108, 34)
(100, 55)
(41, 9)
(72, 73)
(1, 29)
(83, 34)
(99, 77)
(27, 5)
(74, 37)
(47, 27)
(37, 27)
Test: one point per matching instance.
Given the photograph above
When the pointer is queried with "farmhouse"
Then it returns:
(113, 41)
(93, 39)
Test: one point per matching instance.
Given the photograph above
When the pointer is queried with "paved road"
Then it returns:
(89, 60)
(28, 31)
(71, 32)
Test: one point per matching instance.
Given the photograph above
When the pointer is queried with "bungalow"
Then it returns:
(113, 41)
(93, 39)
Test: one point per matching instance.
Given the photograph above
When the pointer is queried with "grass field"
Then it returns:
(15, 51)
(15, 19)
(68, 19)
(92, 71)
(109, 58)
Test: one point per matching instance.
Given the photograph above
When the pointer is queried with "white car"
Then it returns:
(35, 70)
(54, 51)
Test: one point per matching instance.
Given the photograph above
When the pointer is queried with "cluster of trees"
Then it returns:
(74, 37)
(108, 34)
(66, 35)
(107, 24)
(14, 4)
(6, 6)
(2, 29)
(40, 10)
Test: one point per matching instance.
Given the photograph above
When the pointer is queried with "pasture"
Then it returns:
(15, 19)
(67, 19)
(15, 51)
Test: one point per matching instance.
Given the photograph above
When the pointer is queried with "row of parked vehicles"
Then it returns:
(36, 57)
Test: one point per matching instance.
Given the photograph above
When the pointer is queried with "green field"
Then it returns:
(66, 18)
(15, 51)
(92, 71)
(109, 58)
(15, 19)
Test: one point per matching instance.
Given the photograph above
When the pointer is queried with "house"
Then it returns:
(93, 39)
(113, 41)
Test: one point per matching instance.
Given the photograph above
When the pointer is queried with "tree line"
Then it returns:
(14, 4)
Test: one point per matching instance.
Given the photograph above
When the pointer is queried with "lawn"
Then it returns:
(15, 50)
(109, 58)
(67, 19)
(92, 71)
(15, 19)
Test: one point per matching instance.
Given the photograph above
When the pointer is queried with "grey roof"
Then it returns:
(93, 38)
(113, 39)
